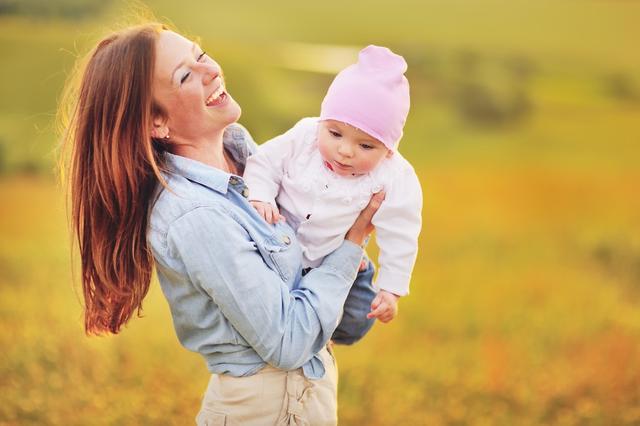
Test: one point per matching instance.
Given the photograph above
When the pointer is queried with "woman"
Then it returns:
(155, 176)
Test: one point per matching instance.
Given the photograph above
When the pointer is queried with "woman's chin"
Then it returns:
(229, 115)
(233, 111)
(238, 111)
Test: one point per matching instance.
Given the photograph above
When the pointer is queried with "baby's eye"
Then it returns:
(201, 56)
(366, 146)
(334, 133)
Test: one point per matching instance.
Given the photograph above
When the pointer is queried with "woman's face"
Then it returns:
(189, 85)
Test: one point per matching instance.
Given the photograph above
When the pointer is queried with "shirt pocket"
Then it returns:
(279, 259)
(282, 254)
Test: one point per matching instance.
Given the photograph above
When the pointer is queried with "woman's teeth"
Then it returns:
(215, 95)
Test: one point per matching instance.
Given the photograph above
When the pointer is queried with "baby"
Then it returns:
(322, 172)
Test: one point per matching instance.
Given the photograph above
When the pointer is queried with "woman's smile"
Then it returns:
(217, 98)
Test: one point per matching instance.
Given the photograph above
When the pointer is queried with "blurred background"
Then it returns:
(525, 133)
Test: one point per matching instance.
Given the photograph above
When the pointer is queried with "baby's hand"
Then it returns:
(268, 211)
(384, 306)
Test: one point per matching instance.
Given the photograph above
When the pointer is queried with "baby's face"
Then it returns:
(349, 151)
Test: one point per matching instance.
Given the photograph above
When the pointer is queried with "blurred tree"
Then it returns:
(29, 167)
(519, 68)
(620, 260)
(622, 87)
(70, 9)
(491, 92)
(3, 158)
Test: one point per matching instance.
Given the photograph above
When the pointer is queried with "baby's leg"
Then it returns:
(354, 323)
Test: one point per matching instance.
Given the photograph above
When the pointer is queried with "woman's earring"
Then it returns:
(166, 136)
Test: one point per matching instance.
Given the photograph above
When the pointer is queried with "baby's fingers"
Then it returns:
(378, 311)
(387, 316)
(268, 211)
(260, 209)
(376, 301)
(363, 265)
(275, 214)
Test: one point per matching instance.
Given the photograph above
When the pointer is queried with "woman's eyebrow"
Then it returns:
(193, 51)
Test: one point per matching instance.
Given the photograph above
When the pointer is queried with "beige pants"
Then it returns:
(272, 397)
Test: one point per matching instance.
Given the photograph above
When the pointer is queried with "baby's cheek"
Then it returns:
(324, 151)
(368, 165)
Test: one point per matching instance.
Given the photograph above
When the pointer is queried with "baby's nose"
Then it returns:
(345, 150)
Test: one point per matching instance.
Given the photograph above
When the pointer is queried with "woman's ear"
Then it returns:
(160, 130)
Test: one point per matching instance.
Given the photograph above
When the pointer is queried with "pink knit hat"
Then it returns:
(372, 95)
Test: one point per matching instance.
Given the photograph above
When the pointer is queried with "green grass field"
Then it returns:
(525, 133)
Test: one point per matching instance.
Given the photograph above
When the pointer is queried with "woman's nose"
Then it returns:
(209, 73)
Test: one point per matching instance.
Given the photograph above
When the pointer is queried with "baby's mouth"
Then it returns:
(333, 165)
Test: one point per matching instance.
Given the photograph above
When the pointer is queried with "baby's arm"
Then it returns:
(264, 170)
(398, 224)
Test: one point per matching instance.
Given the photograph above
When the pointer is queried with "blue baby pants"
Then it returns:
(354, 323)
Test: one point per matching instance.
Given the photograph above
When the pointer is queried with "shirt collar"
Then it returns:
(198, 172)
(238, 143)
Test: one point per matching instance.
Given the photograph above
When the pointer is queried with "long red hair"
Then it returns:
(114, 168)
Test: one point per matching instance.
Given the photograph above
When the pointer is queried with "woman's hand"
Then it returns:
(362, 227)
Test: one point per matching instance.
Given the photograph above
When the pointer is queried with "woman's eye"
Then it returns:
(187, 74)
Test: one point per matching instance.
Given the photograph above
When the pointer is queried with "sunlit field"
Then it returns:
(525, 133)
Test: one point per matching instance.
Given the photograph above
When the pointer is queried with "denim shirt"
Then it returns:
(233, 282)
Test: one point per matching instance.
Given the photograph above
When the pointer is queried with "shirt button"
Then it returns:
(233, 180)
(245, 192)
(286, 240)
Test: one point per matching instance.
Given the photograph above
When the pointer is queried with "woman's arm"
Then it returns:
(285, 327)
